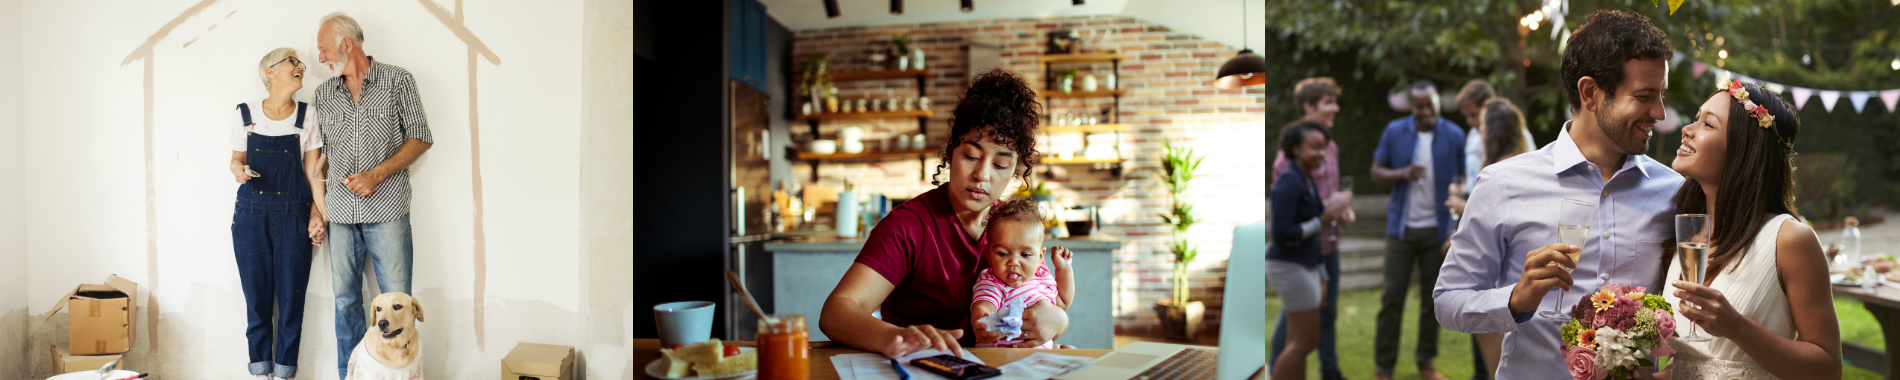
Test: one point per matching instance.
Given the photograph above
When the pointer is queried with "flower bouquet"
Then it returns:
(1613, 332)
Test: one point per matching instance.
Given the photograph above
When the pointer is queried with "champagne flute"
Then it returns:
(1573, 227)
(1692, 249)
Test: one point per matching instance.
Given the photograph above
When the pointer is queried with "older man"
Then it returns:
(374, 128)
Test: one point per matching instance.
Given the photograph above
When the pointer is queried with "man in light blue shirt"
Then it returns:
(1615, 71)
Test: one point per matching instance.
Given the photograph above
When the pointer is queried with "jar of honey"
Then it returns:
(784, 348)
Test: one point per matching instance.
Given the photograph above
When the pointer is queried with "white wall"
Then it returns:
(606, 191)
(13, 312)
(84, 126)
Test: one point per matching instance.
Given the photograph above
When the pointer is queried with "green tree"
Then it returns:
(1379, 46)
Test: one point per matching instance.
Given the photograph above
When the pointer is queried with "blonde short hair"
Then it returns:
(270, 59)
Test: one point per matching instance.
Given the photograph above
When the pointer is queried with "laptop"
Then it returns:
(1243, 333)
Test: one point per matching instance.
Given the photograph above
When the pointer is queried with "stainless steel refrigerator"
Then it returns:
(749, 186)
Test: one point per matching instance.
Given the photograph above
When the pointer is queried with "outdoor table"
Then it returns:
(646, 350)
(1884, 304)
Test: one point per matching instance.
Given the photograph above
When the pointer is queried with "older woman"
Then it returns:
(279, 212)
(919, 264)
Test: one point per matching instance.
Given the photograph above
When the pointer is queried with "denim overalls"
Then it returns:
(269, 232)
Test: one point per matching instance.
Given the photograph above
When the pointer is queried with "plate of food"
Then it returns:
(1882, 264)
(708, 360)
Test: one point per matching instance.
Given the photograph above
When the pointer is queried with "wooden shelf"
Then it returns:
(1054, 161)
(1097, 128)
(1080, 58)
(865, 156)
(884, 74)
(866, 115)
(1058, 94)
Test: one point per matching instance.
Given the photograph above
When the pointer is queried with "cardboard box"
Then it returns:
(538, 361)
(64, 362)
(102, 318)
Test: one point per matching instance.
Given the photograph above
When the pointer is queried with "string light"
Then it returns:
(1723, 54)
(1896, 61)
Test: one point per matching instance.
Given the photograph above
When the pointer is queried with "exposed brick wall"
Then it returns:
(1169, 76)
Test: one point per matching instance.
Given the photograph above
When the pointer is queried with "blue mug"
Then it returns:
(684, 322)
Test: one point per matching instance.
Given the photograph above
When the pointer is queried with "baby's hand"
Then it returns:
(1062, 258)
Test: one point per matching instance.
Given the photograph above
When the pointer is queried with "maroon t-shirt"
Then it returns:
(922, 249)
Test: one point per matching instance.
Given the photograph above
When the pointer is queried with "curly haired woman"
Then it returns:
(919, 264)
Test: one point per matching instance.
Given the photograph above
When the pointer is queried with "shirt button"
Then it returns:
(1606, 235)
(1606, 193)
(1606, 276)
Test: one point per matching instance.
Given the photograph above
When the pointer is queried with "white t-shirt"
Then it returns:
(309, 137)
(1419, 210)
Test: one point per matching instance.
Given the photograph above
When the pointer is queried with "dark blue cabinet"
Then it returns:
(745, 41)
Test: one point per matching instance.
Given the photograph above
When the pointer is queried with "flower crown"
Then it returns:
(1761, 115)
(1754, 110)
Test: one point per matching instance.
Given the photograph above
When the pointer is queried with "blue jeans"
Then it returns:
(1328, 313)
(272, 245)
(390, 245)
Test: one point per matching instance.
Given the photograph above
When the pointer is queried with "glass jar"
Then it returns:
(784, 348)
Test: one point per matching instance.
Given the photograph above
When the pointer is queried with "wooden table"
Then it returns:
(647, 350)
(1884, 304)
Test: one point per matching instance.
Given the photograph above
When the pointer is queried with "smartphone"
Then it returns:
(956, 368)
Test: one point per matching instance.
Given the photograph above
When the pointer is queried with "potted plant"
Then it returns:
(815, 79)
(900, 47)
(1180, 318)
(1067, 76)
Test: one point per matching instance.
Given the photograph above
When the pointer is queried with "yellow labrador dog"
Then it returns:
(392, 346)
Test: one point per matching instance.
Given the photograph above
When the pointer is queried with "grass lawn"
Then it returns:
(1359, 310)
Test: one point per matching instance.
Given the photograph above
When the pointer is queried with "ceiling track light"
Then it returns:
(897, 7)
(831, 8)
(1078, 2)
(967, 6)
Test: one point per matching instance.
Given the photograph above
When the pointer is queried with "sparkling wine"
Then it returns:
(1573, 235)
(1695, 259)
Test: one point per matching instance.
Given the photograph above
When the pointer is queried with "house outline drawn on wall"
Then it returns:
(451, 20)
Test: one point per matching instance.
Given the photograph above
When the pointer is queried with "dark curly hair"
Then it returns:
(1000, 103)
(1018, 208)
(1602, 44)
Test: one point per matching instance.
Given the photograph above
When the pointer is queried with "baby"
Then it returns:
(1015, 277)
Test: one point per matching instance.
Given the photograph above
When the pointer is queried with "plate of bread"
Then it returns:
(708, 360)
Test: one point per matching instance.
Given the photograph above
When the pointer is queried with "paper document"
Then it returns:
(877, 367)
(1041, 366)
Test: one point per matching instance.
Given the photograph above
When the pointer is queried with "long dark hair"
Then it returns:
(1503, 131)
(1757, 181)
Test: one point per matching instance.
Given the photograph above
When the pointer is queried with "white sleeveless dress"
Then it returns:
(1753, 287)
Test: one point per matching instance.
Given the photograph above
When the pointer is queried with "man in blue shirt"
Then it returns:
(1420, 156)
(1615, 69)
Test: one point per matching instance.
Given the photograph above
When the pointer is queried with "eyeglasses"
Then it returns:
(293, 62)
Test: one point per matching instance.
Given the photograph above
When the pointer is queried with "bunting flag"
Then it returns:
(1890, 97)
(1800, 96)
(1859, 98)
(1828, 98)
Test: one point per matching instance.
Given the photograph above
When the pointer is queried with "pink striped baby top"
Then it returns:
(1041, 287)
